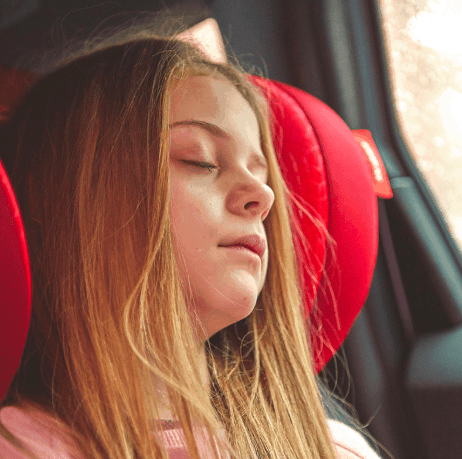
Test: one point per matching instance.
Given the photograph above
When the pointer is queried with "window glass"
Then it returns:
(423, 41)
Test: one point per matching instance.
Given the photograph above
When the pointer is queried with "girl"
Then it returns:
(137, 164)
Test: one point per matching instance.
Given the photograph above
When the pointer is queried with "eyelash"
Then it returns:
(202, 165)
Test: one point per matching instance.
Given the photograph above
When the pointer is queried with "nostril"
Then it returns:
(249, 204)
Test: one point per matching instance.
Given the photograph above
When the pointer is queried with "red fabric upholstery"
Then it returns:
(15, 281)
(322, 165)
(15, 284)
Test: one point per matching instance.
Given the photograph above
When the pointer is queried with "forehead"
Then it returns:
(215, 101)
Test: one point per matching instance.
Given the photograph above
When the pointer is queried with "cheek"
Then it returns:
(181, 201)
(193, 226)
(187, 210)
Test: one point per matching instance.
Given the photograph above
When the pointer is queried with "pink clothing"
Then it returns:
(349, 444)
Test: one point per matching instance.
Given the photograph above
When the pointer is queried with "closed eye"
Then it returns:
(201, 164)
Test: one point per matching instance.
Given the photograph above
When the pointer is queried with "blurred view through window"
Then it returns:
(424, 49)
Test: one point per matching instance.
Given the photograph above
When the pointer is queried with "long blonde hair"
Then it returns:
(108, 309)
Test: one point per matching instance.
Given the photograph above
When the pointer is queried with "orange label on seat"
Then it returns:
(379, 175)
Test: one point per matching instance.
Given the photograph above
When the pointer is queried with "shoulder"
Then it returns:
(349, 443)
(35, 431)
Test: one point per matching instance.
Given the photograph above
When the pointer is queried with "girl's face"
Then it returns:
(210, 207)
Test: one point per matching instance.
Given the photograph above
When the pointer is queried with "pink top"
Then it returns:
(348, 443)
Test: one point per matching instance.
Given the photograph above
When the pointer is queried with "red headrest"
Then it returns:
(15, 284)
(336, 173)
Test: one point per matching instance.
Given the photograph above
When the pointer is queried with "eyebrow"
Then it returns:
(217, 132)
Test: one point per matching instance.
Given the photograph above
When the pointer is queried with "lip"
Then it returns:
(254, 242)
(244, 250)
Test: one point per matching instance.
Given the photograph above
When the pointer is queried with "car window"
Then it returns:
(422, 40)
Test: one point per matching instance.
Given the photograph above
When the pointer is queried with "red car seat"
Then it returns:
(335, 172)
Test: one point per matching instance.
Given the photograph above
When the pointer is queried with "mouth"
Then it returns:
(252, 242)
(242, 250)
